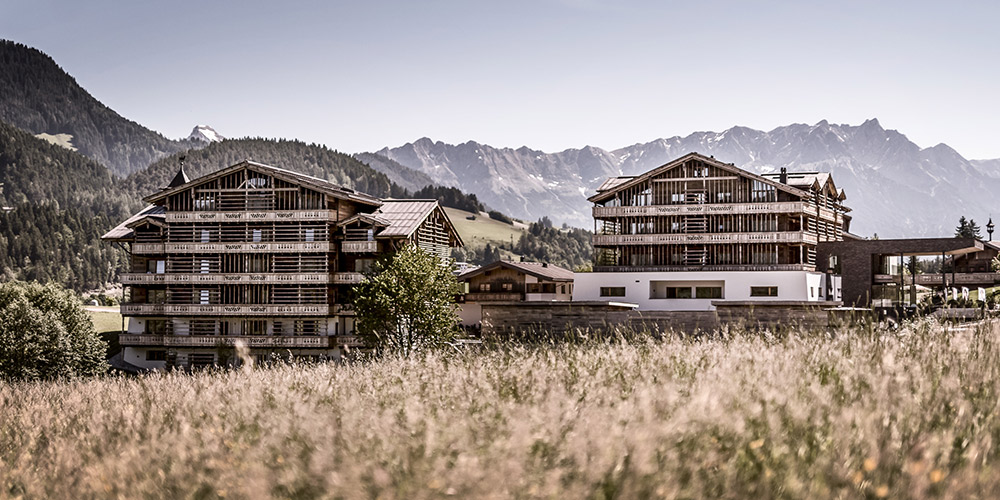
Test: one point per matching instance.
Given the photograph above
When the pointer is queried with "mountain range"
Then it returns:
(895, 188)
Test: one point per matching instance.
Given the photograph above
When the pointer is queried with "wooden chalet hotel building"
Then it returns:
(697, 231)
(257, 253)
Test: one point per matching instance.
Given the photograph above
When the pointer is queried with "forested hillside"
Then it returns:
(38, 96)
(62, 203)
(310, 159)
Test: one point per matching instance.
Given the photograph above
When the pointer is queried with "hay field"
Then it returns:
(862, 414)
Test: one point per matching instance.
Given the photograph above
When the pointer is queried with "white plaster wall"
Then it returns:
(792, 285)
(137, 357)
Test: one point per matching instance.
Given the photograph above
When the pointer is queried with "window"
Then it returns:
(677, 198)
(724, 197)
(612, 291)
(156, 326)
(204, 266)
(484, 287)
(708, 292)
(205, 236)
(763, 291)
(507, 286)
(158, 355)
(812, 291)
(257, 233)
(678, 292)
(311, 235)
(203, 299)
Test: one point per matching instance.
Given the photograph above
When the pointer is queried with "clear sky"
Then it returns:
(549, 74)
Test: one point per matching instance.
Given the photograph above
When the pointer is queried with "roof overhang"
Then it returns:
(316, 183)
(610, 193)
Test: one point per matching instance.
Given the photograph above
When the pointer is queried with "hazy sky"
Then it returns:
(549, 74)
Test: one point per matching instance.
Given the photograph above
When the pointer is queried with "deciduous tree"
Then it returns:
(407, 303)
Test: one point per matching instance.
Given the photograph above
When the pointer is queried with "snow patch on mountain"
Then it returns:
(204, 133)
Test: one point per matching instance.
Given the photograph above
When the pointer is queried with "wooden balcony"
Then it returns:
(264, 216)
(359, 246)
(348, 340)
(347, 278)
(700, 209)
(960, 279)
(253, 341)
(703, 238)
(720, 267)
(782, 207)
(198, 278)
(493, 297)
(128, 309)
(298, 247)
(347, 309)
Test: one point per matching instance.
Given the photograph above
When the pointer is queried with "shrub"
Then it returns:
(495, 215)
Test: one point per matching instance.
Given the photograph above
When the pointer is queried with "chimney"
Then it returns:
(783, 178)
(546, 264)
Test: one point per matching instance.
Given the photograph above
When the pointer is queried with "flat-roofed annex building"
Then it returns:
(697, 230)
(260, 254)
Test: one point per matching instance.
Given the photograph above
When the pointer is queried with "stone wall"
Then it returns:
(555, 319)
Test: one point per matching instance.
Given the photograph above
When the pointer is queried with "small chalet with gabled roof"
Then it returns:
(507, 281)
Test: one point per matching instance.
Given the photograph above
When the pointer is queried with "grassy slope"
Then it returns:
(911, 413)
(476, 233)
(106, 319)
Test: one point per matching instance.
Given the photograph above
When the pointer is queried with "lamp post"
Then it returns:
(989, 228)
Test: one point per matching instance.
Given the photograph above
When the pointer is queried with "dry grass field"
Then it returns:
(860, 414)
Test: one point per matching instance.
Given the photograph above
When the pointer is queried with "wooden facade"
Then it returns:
(257, 252)
(696, 213)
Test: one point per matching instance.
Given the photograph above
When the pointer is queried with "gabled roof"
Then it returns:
(405, 216)
(815, 181)
(369, 218)
(539, 270)
(309, 181)
(124, 231)
(620, 183)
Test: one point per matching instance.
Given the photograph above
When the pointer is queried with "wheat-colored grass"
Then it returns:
(861, 414)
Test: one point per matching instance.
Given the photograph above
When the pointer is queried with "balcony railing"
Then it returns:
(342, 309)
(223, 340)
(348, 340)
(705, 208)
(935, 279)
(130, 309)
(275, 215)
(359, 246)
(783, 207)
(160, 248)
(347, 278)
(713, 267)
(232, 278)
(493, 297)
(704, 238)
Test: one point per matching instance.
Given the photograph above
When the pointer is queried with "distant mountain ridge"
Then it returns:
(38, 96)
(894, 187)
(204, 133)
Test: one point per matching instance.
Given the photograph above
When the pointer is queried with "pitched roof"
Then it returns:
(124, 231)
(540, 270)
(619, 183)
(309, 181)
(180, 178)
(405, 216)
(809, 180)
